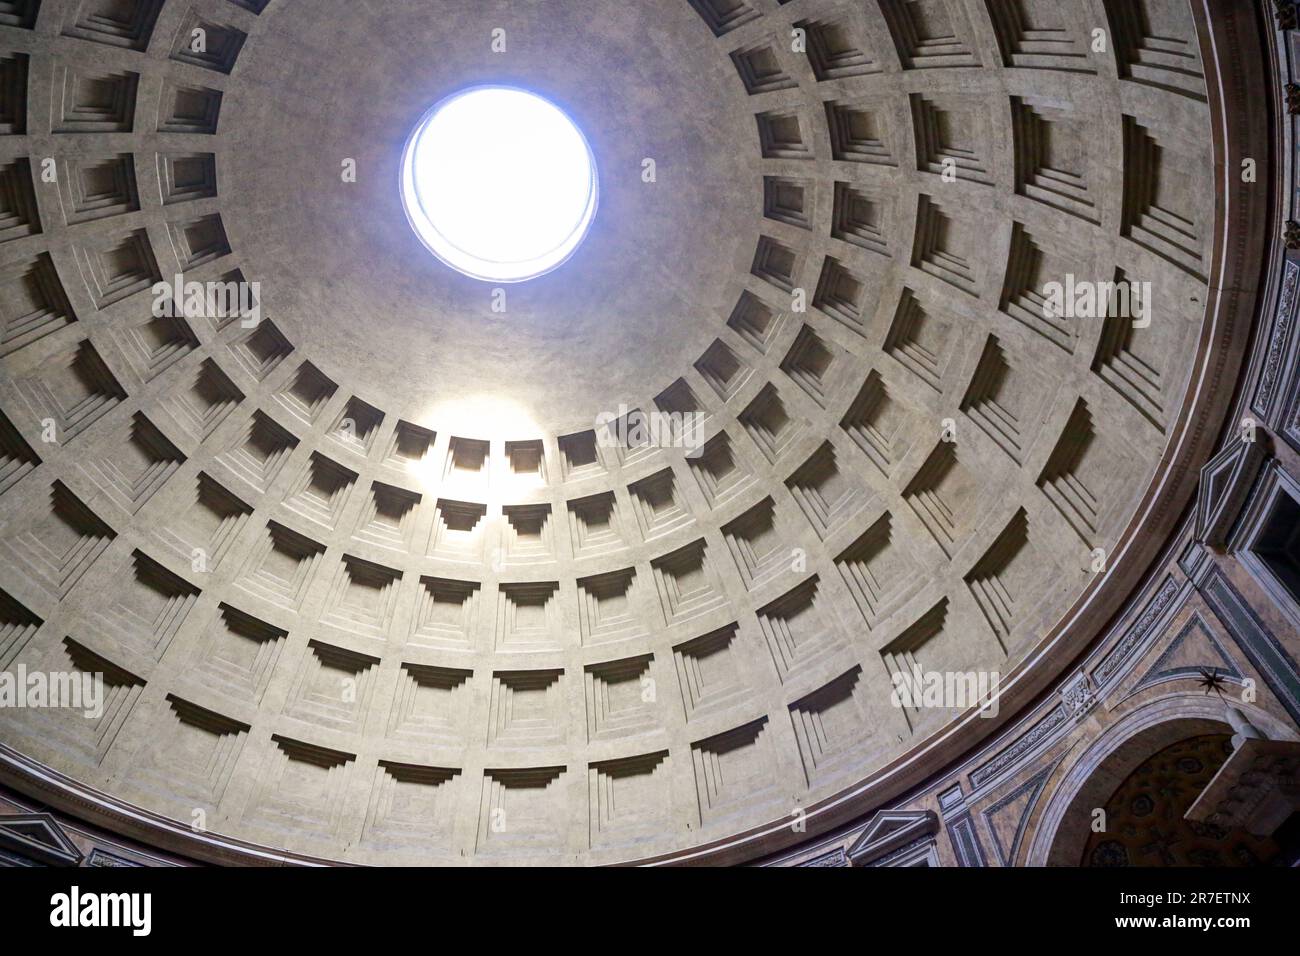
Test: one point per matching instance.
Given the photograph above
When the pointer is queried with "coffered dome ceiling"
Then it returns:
(624, 316)
(364, 582)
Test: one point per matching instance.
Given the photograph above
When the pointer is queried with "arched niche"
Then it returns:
(1064, 828)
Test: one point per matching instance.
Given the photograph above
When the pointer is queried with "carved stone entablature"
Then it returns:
(893, 836)
(1226, 481)
(836, 857)
(1257, 788)
(1078, 695)
(99, 858)
(37, 838)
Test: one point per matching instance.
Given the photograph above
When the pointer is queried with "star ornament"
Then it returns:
(1212, 680)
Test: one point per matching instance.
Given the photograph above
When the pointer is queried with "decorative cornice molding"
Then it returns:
(1055, 719)
(1111, 665)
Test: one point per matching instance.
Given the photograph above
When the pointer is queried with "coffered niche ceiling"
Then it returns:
(364, 581)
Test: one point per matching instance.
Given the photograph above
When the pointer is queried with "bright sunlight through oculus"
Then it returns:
(499, 184)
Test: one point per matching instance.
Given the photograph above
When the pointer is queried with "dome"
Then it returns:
(626, 502)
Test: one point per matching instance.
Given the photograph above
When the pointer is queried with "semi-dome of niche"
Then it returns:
(369, 581)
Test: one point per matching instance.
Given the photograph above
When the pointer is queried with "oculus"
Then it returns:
(499, 183)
